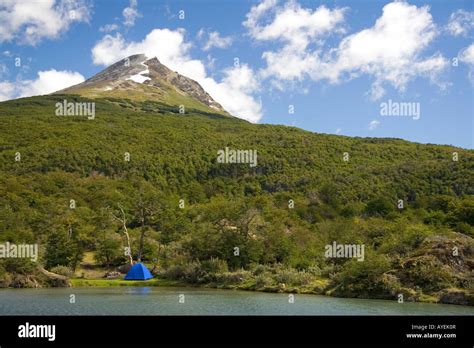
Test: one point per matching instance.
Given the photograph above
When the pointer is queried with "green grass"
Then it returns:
(78, 282)
(167, 94)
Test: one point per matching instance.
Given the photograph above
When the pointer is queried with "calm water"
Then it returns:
(165, 301)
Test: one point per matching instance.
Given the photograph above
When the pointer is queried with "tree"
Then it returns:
(329, 193)
(58, 250)
(108, 250)
(379, 206)
(146, 208)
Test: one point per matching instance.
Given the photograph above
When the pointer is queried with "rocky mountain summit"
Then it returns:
(143, 78)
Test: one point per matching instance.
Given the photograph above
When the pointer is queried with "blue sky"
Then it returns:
(332, 62)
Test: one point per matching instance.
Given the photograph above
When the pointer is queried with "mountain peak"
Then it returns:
(144, 78)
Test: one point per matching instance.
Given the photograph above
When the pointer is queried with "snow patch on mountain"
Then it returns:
(139, 78)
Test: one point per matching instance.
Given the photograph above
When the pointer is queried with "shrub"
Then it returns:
(214, 266)
(465, 229)
(427, 272)
(5, 277)
(232, 277)
(363, 279)
(191, 272)
(329, 270)
(19, 266)
(293, 277)
(314, 271)
(263, 280)
(352, 209)
(259, 269)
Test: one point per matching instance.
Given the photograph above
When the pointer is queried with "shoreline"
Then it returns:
(155, 282)
(84, 283)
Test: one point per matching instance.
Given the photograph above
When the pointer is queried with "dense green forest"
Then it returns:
(75, 186)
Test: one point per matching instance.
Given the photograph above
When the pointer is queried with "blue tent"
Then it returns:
(138, 272)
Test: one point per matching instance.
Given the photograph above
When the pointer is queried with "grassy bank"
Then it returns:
(316, 287)
(79, 282)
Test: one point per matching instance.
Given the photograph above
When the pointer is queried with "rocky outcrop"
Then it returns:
(112, 275)
(457, 296)
(184, 84)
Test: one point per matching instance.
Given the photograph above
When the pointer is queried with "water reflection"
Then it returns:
(146, 290)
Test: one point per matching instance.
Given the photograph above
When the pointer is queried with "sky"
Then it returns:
(337, 67)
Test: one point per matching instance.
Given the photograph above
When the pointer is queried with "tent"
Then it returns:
(138, 272)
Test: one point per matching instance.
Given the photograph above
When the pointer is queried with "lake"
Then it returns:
(199, 301)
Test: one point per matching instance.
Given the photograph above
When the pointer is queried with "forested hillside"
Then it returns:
(411, 205)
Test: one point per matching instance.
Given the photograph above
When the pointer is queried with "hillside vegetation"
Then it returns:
(186, 213)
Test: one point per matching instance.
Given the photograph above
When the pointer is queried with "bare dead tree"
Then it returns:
(123, 220)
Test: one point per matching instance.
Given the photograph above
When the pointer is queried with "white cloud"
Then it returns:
(391, 51)
(47, 82)
(130, 14)
(29, 22)
(234, 92)
(214, 39)
(296, 28)
(466, 56)
(256, 13)
(373, 125)
(50, 81)
(460, 23)
(7, 90)
(210, 62)
(108, 28)
(292, 23)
